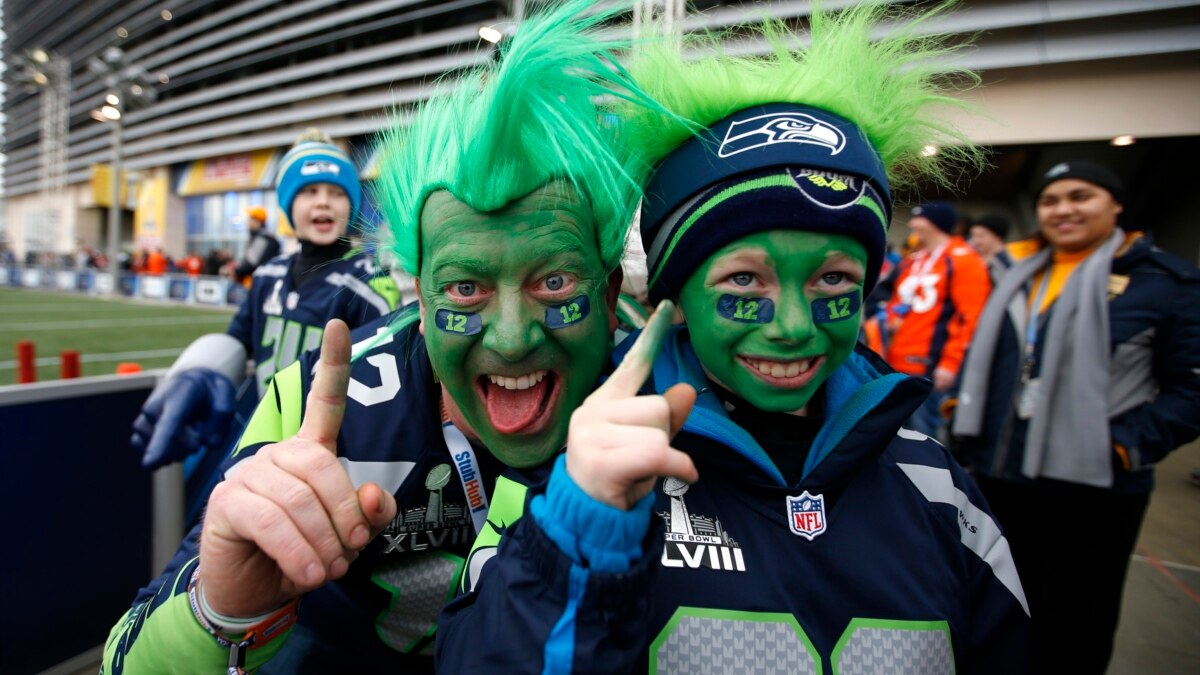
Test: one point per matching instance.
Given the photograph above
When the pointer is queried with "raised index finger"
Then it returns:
(628, 378)
(327, 396)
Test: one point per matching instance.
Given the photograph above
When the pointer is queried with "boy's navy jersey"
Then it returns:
(381, 616)
(281, 319)
(883, 558)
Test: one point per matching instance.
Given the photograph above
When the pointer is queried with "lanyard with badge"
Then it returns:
(462, 457)
(1030, 385)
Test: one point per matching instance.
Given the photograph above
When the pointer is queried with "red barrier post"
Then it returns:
(26, 371)
(68, 364)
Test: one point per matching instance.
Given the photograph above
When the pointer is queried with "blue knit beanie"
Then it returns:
(943, 215)
(780, 166)
(314, 162)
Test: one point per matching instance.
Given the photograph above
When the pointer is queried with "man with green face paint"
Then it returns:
(799, 527)
(506, 300)
(361, 481)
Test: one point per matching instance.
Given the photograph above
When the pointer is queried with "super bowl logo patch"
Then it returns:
(694, 541)
(790, 127)
(806, 515)
(434, 524)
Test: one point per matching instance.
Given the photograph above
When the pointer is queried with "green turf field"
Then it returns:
(104, 332)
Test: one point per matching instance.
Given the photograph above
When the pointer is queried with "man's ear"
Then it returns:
(615, 279)
(420, 307)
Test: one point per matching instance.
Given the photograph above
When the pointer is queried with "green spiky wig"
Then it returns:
(883, 95)
(513, 125)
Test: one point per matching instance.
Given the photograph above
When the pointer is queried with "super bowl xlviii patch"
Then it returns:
(806, 515)
(695, 541)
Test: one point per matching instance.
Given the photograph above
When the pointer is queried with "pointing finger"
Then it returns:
(628, 378)
(680, 397)
(327, 397)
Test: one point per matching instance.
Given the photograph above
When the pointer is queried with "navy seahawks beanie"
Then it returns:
(943, 215)
(312, 162)
(1091, 172)
(778, 166)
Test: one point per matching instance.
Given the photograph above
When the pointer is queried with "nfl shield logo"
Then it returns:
(806, 515)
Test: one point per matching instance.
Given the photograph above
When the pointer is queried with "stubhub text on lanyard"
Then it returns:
(462, 456)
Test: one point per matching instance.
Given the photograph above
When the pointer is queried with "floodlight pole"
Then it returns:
(114, 202)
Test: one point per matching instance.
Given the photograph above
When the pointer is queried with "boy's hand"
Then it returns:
(619, 443)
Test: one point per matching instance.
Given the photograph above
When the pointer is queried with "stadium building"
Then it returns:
(210, 94)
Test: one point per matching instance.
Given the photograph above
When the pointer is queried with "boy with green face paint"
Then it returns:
(799, 526)
(508, 198)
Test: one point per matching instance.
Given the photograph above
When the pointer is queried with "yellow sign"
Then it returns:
(150, 214)
(102, 185)
(229, 173)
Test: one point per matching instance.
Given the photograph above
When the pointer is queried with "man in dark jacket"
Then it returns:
(261, 247)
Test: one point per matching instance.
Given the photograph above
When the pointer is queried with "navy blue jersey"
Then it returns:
(380, 617)
(882, 558)
(280, 320)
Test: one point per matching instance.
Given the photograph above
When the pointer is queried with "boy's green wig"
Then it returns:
(515, 124)
(812, 137)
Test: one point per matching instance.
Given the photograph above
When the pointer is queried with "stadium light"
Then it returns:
(490, 34)
(129, 85)
(1121, 141)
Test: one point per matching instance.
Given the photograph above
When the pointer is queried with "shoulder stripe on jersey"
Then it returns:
(271, 270)
(361, 289)
(937, 485)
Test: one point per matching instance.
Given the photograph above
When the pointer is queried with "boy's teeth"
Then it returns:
(517, 383)
(778, 369)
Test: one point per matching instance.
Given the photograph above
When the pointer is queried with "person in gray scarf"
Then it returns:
(1084, 371)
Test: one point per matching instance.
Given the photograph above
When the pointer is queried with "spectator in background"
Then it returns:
(932, 302)
(156, 263)
(987, 235)
(214, 261)
(1084, 372)
(193, 264)
(261, 247)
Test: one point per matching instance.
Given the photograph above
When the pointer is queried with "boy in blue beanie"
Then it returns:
(290, 300)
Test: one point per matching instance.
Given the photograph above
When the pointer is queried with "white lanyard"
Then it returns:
(462, 456)
(922, 267)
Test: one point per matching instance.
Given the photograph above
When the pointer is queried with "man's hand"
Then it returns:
(288, 519)
(619, 443)
(191, 410)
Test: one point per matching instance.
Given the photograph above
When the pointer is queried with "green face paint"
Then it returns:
(514, 380)
(776, 365)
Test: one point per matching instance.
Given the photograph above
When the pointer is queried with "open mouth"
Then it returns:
(323, 223)
(783, 374)
(520, 403)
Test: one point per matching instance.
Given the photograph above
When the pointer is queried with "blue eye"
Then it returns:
(833, 278)
(555, 282)
(742, 278)
(465, 288)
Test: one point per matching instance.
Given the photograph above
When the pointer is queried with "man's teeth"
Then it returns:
(778, 369)
(522, 382)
